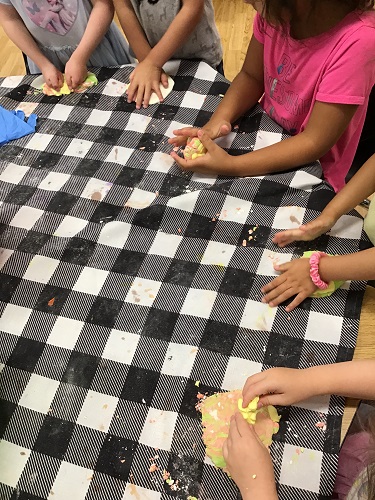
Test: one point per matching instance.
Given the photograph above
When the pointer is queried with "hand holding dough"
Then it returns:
(216, 414)
(90, 81)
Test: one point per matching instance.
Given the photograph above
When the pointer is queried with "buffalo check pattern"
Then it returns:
(128, 286)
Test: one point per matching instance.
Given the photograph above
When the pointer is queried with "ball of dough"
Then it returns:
(194, 149)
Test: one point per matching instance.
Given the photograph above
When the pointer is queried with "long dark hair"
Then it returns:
(274, 10)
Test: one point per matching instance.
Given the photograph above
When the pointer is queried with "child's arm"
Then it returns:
(244, 92)
(99, 21)
(295, 276)
(16, 30)
(286, 386)
(360, 186)
(326, 124)
(146, 78)
(133, 30)
(249, 461)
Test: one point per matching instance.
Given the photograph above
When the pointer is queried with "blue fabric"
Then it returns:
(13, 125)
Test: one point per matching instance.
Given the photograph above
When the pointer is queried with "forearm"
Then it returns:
(99, 21)
(354, 266)
(17, 32)
(132, 29)
(354, 379)
(358, 188)
(326, 124)
(290, 153)
(178, 32)
(231, 106)
(264, 491)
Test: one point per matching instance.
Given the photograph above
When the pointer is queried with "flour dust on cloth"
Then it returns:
(58, 26)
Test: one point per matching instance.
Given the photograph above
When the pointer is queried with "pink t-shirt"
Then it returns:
(335, 67)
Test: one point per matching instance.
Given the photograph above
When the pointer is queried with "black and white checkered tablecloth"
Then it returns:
(125, 281)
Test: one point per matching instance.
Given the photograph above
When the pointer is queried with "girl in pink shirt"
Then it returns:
(312, 66)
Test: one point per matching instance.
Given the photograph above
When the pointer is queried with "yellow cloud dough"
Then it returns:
(216, 413)
(90, 81)
(194, 149)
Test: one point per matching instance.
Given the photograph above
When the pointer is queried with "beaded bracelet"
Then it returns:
(314, 270)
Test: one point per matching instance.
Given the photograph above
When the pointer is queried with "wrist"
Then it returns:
(154, 60)
(320, 380)
(43, 63)
(265, 491)
(314, 270)
(329, 217)
(80, 56)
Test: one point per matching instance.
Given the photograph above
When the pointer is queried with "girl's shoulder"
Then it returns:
(361, 20)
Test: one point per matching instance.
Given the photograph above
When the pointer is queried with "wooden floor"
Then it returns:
(234, 19)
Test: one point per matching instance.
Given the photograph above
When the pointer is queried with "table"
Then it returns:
(129, 286)
(364, 349)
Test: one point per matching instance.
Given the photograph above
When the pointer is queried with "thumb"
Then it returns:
(281, 268)
(270, 399)
(206, 141)
(224, 129)
(164, 80)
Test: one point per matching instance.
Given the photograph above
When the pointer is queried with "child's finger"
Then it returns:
(184, 164)
(187, 131)
(177, 141)
(164, 80)
(60, 79)
(260, 387)
(224, 129)
(234, 427)
(207, 142)
(273, 284)
(156, 89)
(243, 427)
(279, 296)
(140, 96)
(147, 96)
(296, 301)
(132, 90)
(285, 237)
(74, 83)
(279, 293)
(281, 268)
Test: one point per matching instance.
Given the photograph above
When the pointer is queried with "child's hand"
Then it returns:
(307, 232)
(216, 160)
(278, 386)
(213, 131)
(249, 461)
(145, 80)
(293, 280)
(75, 72)
(52, 76)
